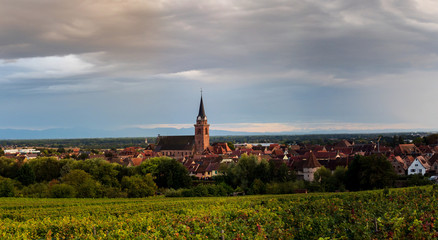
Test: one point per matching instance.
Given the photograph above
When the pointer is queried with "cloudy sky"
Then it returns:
(292, 65)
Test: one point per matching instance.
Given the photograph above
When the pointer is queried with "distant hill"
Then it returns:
(63, 133)
(66, 133)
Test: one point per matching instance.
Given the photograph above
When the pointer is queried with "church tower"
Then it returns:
(202, 135)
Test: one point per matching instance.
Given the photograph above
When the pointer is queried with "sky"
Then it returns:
(263, 66)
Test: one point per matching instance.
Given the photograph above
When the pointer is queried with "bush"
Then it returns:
(112, 192)
(85, 186)
(62, 191)
(418, 180)
(187, 192)
(139, 186)
(258, 187)
(7, 188)
(173, 193)
(200, 191)
(37, 190)
(286, 187)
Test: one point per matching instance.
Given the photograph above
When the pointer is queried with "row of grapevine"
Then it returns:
(394, 214)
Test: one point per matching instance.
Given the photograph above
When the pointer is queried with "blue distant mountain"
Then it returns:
(63, 133)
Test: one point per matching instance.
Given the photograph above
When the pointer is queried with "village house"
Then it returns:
(398, 164)
(407, 149)
(418, 166)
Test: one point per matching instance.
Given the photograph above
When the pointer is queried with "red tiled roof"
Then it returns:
(136, 161)
(311, 162)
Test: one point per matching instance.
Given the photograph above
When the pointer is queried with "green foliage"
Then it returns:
(85, 186)
(173, 193)
(112, 192)
(82, 156)
(62, 191)
(139, 186)
(201, 190)
(46, 168)
(8, 167)
(328, 181)
(102, 171)
(249, 168)
(284, 187)
(370, 172)
(231, 146)
(418, 141)
(26, 175)
(258, 187)
(167, 172)
(7, 188)
(431, 139)
(403, 214)
(36, 190)
(61, 150)
(418, 180)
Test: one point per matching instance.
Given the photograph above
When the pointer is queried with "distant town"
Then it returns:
(203, 160)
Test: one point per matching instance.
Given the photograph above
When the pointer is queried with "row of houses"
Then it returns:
(406, 159)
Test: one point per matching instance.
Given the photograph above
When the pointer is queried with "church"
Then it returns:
(180, 147)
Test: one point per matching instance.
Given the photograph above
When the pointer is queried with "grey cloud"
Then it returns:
(308, 55)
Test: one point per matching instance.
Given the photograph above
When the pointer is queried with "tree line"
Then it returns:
(49, 177)
(94, 178)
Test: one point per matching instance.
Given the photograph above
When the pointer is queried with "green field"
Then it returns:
(409, 213)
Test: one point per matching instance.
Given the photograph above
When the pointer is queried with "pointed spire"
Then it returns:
(312, 162)
(201, 114)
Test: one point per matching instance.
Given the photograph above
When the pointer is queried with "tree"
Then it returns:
(7, 188)
(418, 141)
(258, 187)
(85, 186)
(231, 146)
(431, 139)
(46, 168)
(244, 171)
(139, 186)
(82, 156)
(339, 178)
(8, 167)
(101, 170)
(369, 172)
(262, 171)
(167, 172)
(61, 150)
(26, 175)
(324, 177)
(401, 140)
(39, 190)
(62, 191)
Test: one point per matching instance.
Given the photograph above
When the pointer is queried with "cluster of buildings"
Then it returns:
(22, 153)
(204, 160)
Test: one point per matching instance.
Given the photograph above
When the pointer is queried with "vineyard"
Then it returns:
(408, 213)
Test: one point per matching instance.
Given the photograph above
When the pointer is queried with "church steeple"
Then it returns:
(202, 137)
(201, 114)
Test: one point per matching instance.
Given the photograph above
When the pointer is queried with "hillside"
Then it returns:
(407, 213)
